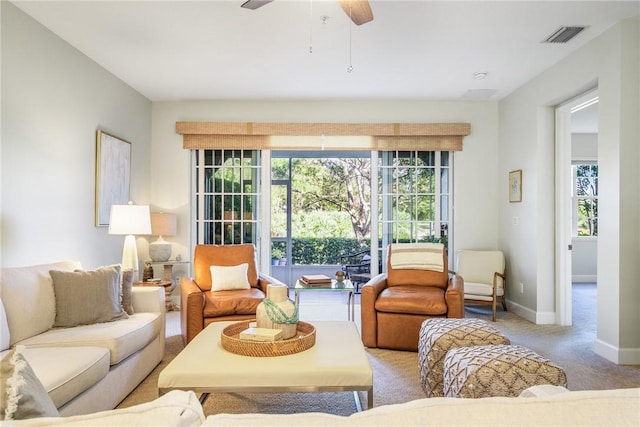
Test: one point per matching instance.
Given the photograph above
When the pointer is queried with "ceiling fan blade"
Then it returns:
(359, 10)
(254, 4)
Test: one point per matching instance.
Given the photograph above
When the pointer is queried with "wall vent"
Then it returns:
(563, 34)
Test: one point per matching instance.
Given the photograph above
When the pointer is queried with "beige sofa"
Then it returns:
(88, 368)
(537, 406)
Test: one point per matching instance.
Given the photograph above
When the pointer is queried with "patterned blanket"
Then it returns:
(417, 256)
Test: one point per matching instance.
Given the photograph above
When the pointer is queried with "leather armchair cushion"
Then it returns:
(225, 303)
(223, 255)
(422, 300)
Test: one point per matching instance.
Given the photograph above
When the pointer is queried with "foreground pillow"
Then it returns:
(4, 329)
(177, 408)
(226, 278)
(87, 297)
(127, 283)
(22, 395)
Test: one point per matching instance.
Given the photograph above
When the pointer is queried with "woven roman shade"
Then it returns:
(329, 136)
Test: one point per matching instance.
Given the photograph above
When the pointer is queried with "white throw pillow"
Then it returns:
(226, 278)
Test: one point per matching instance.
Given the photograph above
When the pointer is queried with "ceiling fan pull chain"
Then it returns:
(310, 26)
(350, 67)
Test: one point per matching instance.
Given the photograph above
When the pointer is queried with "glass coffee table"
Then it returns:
(344, 286)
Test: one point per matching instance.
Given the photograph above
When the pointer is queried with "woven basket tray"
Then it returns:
(304, 340)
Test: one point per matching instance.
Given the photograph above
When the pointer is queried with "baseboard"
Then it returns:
(584, 278)
(620, 356)
(539, 318)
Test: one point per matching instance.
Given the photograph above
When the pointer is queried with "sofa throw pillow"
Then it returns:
(22, 395)
(229, 277)
(127, 283)
(4, 329)
(87, 297)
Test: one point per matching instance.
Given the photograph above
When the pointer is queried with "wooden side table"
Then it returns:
(168, 287)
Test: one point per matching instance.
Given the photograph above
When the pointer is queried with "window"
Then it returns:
(227, 196)
(414, 196)
(585, 199)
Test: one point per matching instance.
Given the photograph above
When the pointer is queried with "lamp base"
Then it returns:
(130, 255)
(160, 251)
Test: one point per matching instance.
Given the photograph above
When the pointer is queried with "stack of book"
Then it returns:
(315, 280)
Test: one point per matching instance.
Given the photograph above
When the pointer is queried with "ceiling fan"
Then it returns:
(358, 10)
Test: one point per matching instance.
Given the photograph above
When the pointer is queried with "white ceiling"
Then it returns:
(177, 50)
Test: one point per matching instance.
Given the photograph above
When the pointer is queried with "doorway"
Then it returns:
(576, 199)
(320, 210)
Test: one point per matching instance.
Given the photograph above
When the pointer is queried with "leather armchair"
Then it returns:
(200, 306)
(394, 304)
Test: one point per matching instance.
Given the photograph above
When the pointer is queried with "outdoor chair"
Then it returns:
(485, 277)
(357, 268)
(415, 287)
(223, 288)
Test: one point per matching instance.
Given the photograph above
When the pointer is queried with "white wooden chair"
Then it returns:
(485, 277)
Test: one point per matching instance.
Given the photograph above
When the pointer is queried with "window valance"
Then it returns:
(329, 136)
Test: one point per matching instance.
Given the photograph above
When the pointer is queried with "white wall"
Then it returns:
(584, 146)
(584, 260)
(475, 175)
(53, 100)
(526, 142)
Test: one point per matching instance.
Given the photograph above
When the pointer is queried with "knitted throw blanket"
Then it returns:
(417, 256)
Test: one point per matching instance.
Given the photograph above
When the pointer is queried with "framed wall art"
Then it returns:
(113, 174)
(515, 186)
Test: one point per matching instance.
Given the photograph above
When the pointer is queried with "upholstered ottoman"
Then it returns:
(438, 336)
(497, 370)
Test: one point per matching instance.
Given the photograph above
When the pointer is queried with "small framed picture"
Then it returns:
(515, 186)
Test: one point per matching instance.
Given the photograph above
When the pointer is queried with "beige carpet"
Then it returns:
(395, 373)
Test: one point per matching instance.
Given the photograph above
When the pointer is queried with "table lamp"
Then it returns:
(162, 224)
(129, 220)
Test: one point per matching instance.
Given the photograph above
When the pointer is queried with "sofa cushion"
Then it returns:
(122, 338)
(177, 408)
(65, 372)
(27, 294)
(22, 395)
(86, 297)
(481, 290)
(4, 329)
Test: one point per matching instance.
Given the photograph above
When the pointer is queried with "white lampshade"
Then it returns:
(129, 220)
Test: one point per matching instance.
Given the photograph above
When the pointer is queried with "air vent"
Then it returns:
(479, 94)
(563, 34)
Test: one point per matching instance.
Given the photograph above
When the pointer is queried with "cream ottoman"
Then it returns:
(497, 370)
(438, 336)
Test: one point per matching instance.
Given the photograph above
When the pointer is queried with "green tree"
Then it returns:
(335, 184)
(587, 192)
